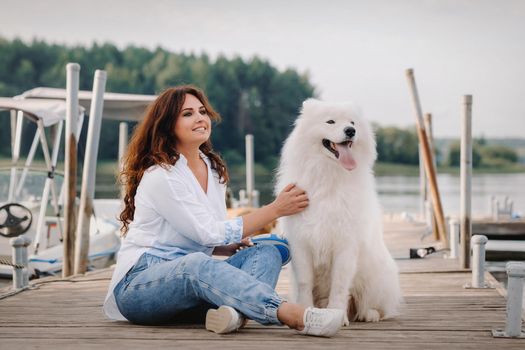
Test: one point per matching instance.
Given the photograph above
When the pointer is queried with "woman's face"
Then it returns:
(193, 126)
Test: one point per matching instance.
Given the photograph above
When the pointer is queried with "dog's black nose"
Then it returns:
(350, 132)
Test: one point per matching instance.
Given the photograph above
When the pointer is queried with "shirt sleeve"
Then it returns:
(182, 209)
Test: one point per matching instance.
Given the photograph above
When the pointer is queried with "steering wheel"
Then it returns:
(15, 219)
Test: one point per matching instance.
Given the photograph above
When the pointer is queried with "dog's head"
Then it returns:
(338, 131)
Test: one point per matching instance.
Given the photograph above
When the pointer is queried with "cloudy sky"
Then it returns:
(352, 50)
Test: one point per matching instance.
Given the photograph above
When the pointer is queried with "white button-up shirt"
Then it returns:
(173, 217)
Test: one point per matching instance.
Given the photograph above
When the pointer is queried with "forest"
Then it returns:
(251, 95)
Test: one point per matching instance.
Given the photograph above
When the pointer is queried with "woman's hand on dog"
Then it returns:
(290, 201)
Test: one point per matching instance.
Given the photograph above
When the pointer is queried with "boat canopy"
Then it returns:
(117, 106)
(49, 111)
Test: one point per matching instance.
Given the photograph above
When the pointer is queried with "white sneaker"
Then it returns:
(224, 320)
(322, 322)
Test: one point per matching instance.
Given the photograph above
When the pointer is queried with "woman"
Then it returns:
(174, 219)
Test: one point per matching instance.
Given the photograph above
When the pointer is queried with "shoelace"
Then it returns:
(314, 319)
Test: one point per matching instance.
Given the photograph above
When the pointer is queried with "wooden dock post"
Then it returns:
(428, 198)
(250, 177)
(122, 146)
(70, 171)
(466, 182)
(87, 193)
(428, 159)
(423, 190)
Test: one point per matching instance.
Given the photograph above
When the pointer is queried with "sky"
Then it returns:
(352, 50)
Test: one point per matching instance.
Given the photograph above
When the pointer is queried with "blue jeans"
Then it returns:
(159, 291)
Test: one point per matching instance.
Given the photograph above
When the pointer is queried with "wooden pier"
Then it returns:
(438, 313)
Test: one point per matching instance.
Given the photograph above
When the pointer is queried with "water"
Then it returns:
(401, 193)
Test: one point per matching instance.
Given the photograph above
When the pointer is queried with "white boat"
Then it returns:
(46, 108)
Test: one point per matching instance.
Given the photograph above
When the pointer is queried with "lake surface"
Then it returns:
(401, 193)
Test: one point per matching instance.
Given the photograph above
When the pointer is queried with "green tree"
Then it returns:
(496, 155)
(397, 145)
(454, 155)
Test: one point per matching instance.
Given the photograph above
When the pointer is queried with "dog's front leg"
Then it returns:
(303, 276)
(343, 273)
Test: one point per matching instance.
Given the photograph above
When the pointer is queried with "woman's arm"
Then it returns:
(171, 199)
(291, 200)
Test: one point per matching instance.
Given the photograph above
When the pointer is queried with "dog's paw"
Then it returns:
(372, 315)
(346, 322)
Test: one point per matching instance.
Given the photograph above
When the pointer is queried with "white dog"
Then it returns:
(339, 258)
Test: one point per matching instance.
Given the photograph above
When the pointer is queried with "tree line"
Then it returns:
(252, 96)
(400, 145)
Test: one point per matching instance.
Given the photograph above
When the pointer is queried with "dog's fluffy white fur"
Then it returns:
(339, 258)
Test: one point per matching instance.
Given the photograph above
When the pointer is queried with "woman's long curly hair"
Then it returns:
(154, 143)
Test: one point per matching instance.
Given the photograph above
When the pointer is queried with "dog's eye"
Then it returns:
(352, 123)
(330, 121)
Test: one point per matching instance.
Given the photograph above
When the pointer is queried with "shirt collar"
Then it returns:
(201, 154)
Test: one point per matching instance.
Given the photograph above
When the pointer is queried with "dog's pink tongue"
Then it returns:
(345, 157)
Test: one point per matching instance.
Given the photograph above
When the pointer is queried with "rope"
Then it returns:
(5, 261)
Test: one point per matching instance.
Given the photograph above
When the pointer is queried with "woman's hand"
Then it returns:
(230, 249)
(291, 200)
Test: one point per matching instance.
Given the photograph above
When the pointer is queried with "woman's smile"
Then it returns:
(200, 129)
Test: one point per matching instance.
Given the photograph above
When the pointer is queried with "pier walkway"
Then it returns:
(438, 314)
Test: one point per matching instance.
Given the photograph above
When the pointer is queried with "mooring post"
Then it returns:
(431, 218)
(122, 146)
(242, 198)
(70, 165)
(516, 277)
(466, 181)
(87, 192)
(428, 159)
(250, 178)
(478, 243)
(255, 199)
(422, 186)
(20, 271)
(454, 238)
